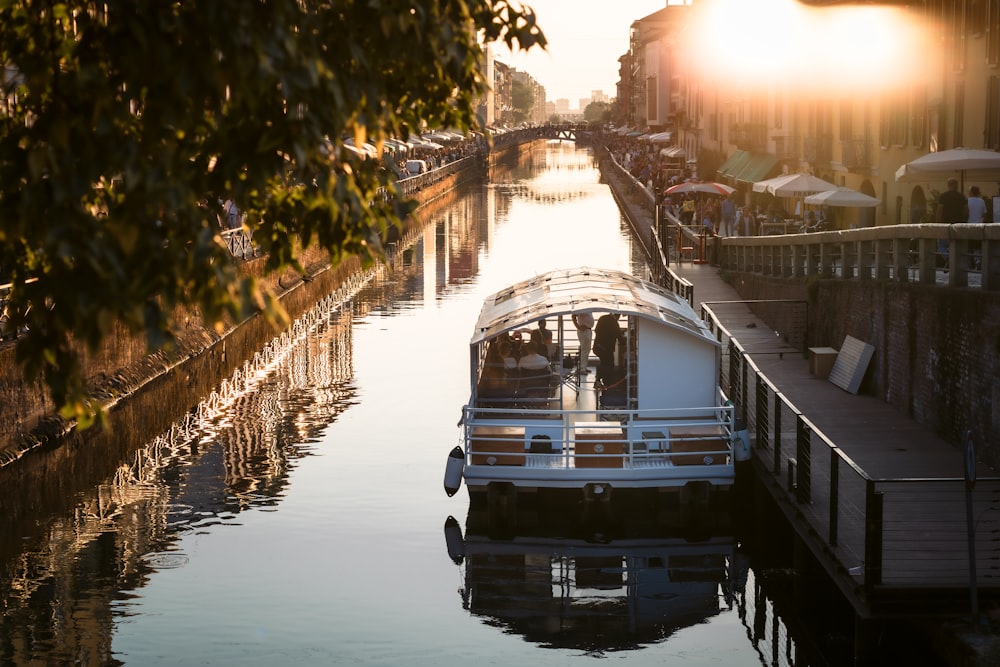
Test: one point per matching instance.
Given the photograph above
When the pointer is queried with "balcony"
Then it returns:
(749, 136)
(818, 149)
(786, 148)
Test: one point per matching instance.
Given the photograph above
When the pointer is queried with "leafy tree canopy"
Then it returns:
(522, 98)
(123, 123)
(597, 112)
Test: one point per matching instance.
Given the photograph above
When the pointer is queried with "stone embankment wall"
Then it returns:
(124, 368)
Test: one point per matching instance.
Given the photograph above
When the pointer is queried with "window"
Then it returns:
(957, 18)
(959, 120)
(975, 17)
(992, 126)
(992, 23)
(846, 120)
(918, 115)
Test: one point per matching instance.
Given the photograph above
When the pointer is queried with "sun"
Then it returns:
(839, 50)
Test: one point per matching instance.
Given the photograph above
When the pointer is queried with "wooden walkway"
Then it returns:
(879, 499)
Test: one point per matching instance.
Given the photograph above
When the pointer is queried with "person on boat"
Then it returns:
(535, 377)
(507, 355)
(607, 335)
(543, 336)
(584, 323)
(533, 359)
(493, 380)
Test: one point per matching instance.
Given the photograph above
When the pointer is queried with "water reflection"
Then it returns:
(571, 585)
(232, 452)
(165, 537)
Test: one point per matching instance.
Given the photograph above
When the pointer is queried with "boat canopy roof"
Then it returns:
(580, 290)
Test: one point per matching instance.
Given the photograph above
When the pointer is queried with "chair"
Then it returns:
(535, 385)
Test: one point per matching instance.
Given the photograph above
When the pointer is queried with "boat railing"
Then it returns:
(585, 439)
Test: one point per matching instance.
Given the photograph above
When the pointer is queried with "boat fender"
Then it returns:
(741, 441)
(453, 471)
(453, 540)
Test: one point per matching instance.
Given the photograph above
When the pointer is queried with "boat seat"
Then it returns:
(537, 382)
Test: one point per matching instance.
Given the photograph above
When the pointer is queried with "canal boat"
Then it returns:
(644, 412)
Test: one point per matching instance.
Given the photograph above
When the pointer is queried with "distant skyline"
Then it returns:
(585, 41)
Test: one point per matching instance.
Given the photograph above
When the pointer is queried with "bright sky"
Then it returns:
(586, 37)
(859, 47)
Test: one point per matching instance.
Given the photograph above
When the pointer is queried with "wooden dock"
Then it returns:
(881, 501)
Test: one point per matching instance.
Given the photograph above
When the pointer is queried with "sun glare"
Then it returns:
(839, 50)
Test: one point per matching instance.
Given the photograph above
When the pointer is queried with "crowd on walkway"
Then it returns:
(718, 215)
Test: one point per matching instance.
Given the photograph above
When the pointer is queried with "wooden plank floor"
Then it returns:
(925, 561)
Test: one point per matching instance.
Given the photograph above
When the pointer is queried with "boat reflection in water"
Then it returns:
(572, 587)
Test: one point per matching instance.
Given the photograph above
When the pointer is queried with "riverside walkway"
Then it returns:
(879, 500)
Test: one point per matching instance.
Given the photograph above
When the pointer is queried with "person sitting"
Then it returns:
(535, 374)
(506, 350)
(533, 359)
(494, 380)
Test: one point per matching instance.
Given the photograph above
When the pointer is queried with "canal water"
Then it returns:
(297, 515)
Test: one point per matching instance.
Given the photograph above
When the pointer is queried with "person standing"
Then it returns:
(607, 334)
(977, 206)
(584, 323)
(728, 216)
(977, 215)
(232, 213)
(952, 207)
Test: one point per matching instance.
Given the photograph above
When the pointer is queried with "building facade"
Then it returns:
(743, 134)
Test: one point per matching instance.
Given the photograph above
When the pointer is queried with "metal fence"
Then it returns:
(905, 532)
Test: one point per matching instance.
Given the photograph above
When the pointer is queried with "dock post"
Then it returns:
(873, 536)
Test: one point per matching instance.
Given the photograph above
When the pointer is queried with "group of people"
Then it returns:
(720, 216)
(515, 365)
(523, 360)
(954, 207)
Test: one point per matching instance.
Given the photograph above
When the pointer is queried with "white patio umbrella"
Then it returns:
(845, 197)
(962, 163)
(793, 185)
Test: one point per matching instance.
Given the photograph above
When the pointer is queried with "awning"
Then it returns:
(673, 152)
(733, 163)
(757, 168)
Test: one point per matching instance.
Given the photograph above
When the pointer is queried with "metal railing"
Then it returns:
(240, 242)
(868, 524)
(620, 437)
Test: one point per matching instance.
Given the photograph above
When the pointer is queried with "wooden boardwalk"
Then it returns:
(879, 499)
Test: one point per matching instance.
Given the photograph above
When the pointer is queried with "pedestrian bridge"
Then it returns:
(566, 131)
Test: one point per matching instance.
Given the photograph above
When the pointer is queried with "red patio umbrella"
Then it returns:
(697, 186)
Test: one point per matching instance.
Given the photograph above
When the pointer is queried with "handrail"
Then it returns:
(629, 430)
(848, 514)
(959, 255)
